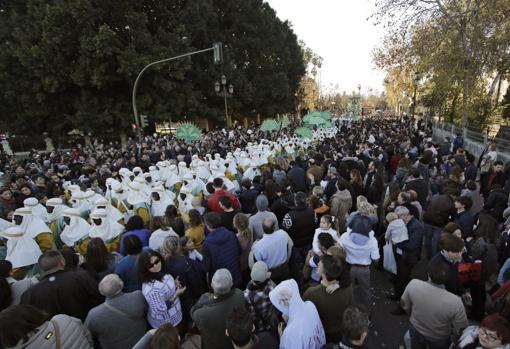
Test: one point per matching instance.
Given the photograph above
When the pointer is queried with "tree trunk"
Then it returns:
(465, 92)
(123, 139)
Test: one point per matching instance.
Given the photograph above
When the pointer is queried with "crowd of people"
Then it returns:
(249, 239)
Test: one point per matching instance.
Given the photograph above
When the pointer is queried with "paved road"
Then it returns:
(386, 330)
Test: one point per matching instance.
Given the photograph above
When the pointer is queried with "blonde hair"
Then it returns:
(171, 247)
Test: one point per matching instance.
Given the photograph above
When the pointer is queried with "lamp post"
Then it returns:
(416, 81)
(224, 91)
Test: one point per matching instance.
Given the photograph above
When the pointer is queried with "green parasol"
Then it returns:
(270, 125)
(326, 115)
(304, 132)
(188, 132)
(326, 124)
(316, 121)
(311, 115)
(284, 122)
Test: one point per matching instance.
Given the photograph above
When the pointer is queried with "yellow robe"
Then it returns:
(45, 241)
(144, 213)
(113, 245)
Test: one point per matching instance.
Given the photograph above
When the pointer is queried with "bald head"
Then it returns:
(268, 225)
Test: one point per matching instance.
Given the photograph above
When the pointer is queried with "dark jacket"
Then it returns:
(190, 274)
(412, 247)
(210, 316)
(247, 199)
(470, 172)
(486, 187)
(72, 293)
(496, 203)
(453, 285)
(300, 224)
(222, 250)
(297, 175)
(466, 222)
(420, 187)
(439, 210)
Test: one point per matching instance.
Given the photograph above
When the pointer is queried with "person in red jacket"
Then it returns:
(213, 203)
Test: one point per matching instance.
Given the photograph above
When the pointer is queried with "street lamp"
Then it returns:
(416, 81)
(224, 91)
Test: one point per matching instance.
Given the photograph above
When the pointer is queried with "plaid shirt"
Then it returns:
(259, 305)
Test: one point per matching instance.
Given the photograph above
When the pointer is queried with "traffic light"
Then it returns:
(218, 52)
(144, 121)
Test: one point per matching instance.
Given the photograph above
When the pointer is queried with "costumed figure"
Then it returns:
(113, 213)
(107, 230)
(36, 208)
(22, 250)
(160, 200)
(76, 231)
(54, 219)
(139, 202)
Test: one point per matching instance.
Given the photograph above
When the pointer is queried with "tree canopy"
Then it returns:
(458, 47)
(71, 64)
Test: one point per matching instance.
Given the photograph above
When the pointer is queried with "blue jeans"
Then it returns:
(418, 341)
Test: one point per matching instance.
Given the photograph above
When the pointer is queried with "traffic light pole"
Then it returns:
(217, 59)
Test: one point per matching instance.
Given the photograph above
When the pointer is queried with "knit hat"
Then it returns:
(259, 272)
(390, 217)
(401, 210)
(361, 224)
(261, 202)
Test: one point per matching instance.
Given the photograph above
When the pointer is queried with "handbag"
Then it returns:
(469, 272)
(57, 334)
(389, 263)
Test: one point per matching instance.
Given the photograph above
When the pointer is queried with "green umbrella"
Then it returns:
(326, 124)
(316, 121)
(188, 132)
(304, 132)
(311, 115)
(284, 122)
(270, 125)
(326, 115)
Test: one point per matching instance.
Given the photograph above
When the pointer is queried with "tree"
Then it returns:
(464, 38)
(72, 63)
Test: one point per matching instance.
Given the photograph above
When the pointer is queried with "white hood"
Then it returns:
(107, 230)
(22, 250)
(77, 229)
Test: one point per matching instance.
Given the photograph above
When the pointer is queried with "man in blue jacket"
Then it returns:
(221, 248)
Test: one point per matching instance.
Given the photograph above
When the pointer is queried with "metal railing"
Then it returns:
(475, 139)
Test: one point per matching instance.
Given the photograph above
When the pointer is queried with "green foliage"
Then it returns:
(72, 63)
(188, 132)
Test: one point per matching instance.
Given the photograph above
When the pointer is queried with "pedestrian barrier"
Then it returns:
(475, 140)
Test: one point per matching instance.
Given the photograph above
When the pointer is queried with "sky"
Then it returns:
(339, 32)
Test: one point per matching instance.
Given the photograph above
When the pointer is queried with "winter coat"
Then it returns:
(299, 223)
(396, 231)
(222, 250)
(69, 331)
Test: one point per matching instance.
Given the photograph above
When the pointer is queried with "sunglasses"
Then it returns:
(154, 263)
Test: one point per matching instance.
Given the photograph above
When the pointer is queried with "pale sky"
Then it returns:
(339, 32)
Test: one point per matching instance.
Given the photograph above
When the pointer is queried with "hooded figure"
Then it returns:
(194, 185)
(184, 199)
(113, 213)
(33, 227)
(22, 250)
(304, 328)
(154, 173)
(163, 171)
(55, 208)
(37, 209)
(80, 203)
(202, 170)
(119, 199)
(144, 186)
(173, 178)
(160, 200)
(127, 176)
(140, 202)
(76, 231)
(183, 169)
(107, 230)
(108, 194)
(251, 171)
